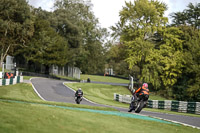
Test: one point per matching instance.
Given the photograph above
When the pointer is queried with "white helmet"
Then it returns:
(79, 89)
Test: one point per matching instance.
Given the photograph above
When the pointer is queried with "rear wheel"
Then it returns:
(139, 107)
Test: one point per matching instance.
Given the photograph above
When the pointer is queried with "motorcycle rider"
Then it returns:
(77, 92)
(141, 93)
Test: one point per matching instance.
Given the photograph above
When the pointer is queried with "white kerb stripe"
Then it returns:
(37, 91)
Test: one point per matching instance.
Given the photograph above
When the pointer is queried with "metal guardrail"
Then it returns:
(178, 106)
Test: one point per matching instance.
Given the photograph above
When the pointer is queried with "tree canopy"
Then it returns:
(69, 35)
(165, 56)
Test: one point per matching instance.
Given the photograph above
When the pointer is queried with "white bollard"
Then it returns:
(0, 75)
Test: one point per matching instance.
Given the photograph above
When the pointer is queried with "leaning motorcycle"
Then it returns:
(138, 103)
(78, 98)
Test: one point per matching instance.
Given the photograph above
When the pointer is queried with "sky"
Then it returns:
(107, 11)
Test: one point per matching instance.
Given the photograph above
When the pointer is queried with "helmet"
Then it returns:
(79, 89)
(145, 85)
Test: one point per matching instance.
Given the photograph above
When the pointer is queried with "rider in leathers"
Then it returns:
(79, 91)
(141, 93)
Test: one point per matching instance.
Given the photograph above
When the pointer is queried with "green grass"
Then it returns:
(33, 116)
(103, 79)
(154, 96)
(100, 93)
(27, 77)
(68, 78)
(20, 91)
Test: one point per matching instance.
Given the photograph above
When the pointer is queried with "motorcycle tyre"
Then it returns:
(78, 101)
(139, 107)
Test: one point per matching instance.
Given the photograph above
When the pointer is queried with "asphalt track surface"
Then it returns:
(55, 90)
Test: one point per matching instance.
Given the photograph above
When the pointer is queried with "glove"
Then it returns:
(133, 91)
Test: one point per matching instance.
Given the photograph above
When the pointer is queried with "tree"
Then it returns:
(151, 46)
(187, 86)
(74, 21)
(139, 23)
(115, 58)
(190, 74)
(16, 25)
(189, 16)
(46, 47)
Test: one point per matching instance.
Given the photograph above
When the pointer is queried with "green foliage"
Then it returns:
(139, 23)
(189, 25)
(75, 22)
(70, 35)
(16, 25)
(192, 68)
(161, 55)
(115, 59)
(141, 19)
(46, 47)
(188, 16)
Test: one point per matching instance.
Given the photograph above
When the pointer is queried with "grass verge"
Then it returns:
(103, 79)
(100, 93)
(31, 118)
(67, 78)
(27, 77)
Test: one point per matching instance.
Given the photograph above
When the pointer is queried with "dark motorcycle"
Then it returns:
(78, 98)
(139, 104)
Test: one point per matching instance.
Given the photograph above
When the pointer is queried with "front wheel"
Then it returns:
(139, 107)
(78, 100)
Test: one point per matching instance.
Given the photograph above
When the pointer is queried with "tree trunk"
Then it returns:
(47, 69)
(3, 55)
(1, 61)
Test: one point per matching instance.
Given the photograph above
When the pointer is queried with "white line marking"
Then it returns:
(176, 122)
(37, 91)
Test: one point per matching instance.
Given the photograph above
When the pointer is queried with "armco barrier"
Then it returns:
(11, 81)
(178, 106)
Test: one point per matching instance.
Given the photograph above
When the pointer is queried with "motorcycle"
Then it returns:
(139, 104)
(78, 98)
